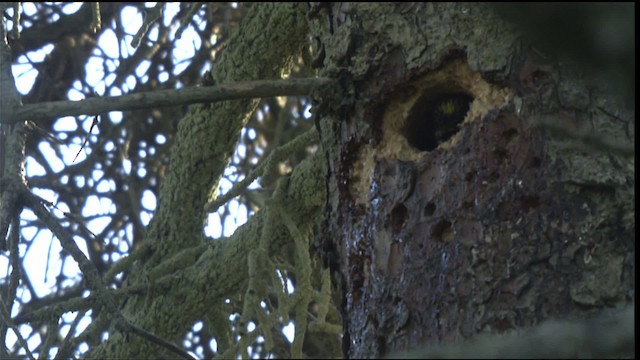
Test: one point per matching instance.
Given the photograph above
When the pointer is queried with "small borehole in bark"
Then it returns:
(398, 218)
(429, 209)
(443, 231)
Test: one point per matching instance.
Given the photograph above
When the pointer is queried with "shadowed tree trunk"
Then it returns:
(451, 214)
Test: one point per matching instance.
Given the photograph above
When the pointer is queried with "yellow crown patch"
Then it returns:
(448, 107)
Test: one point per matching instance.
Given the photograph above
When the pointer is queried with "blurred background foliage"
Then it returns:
(107, 195)
(597, 36)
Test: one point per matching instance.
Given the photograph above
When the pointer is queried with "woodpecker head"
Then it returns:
(448, 111)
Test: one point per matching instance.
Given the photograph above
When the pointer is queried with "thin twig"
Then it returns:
(5, 317)
(94, 123)
(277, 155)
(160, 341)
(65, 348)
(96, 20)
(90, 273)
(53, 333)
(150, 17)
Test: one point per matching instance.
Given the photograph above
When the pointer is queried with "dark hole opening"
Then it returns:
(398, 218)
(442, 231)
(435, 117)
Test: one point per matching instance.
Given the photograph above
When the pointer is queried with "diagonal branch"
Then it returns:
(5, 318)
(90, 273)
(264, 167)
(162, 98)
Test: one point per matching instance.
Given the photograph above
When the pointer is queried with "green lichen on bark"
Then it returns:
(199, 285)
(207, 136)
(203, 147)
(404, 42)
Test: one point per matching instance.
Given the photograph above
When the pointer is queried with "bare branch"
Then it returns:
(65, 349)
(157, 340)
(5, 317)
(266, 165)
(162, 98)
(91, 274)
(150, 17)
(96, 22)
(12, 137)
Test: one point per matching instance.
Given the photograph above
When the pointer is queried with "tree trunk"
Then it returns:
(174, 240)
(449, 213)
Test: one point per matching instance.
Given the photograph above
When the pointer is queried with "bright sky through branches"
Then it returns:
(44, 249)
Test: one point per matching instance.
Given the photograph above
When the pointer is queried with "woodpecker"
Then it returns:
(447, 112)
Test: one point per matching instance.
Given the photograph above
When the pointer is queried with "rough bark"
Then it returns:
(204, 143)
(495, 225)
